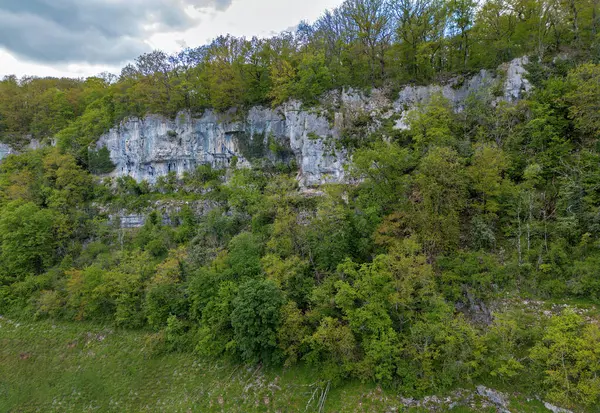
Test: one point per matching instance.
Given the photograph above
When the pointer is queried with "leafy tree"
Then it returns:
(290, 275)
(366, 304)
(431, 124)
(216, 334)
(585, 281)
(438, 352)
(30, 238)
(333, 348)
(421, 25)
(373, 31)
(70, 183)
(461, 21)
(383, 170)
(568, 356)
(503, 343)
(486, 172)
(255, 319)
(244, 256)
(283, 75)
(312, 79)
(292, 332)
(329, 234)
(497, 25)
(99, 161)
(165, 293)
(441, 183)
(584, 101)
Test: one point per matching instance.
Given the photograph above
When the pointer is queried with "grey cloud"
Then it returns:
(92, 31)
(218, 4)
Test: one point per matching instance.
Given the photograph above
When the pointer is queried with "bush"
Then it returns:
(216, 333)
(163, 301)
(176, 337)
(332, 349)
(438, 353)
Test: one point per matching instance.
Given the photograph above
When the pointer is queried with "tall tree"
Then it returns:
(374, 31)
(421, 27)
(462, 19)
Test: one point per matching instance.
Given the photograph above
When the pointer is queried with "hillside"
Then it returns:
(396, 207)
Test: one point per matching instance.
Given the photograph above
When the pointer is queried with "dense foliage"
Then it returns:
(385, 279)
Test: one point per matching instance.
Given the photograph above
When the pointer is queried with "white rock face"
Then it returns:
(5, 150)
(516, 85)
(148, 148)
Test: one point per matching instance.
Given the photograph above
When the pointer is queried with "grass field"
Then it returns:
(69, 367)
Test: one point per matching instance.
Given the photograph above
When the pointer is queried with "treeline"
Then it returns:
(379, 280)
(361, 44)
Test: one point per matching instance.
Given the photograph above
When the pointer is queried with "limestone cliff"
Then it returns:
(153, 146)
(148, 148)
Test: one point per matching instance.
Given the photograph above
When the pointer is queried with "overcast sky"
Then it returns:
(79, 38)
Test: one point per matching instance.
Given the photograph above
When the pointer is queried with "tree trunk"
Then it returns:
(595, 18)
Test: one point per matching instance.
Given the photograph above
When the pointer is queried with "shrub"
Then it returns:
(163, 301)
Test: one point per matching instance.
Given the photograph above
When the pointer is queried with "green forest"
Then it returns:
(412, 275)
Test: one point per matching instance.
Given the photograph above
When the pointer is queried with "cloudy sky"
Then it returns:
(85, 37)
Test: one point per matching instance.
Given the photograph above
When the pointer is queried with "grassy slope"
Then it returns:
(69, 367)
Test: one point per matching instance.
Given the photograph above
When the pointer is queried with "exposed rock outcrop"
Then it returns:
(167, 211)
(499, 399)
(32, 144)
(5, 150)
(148, 148)
(555, 409)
